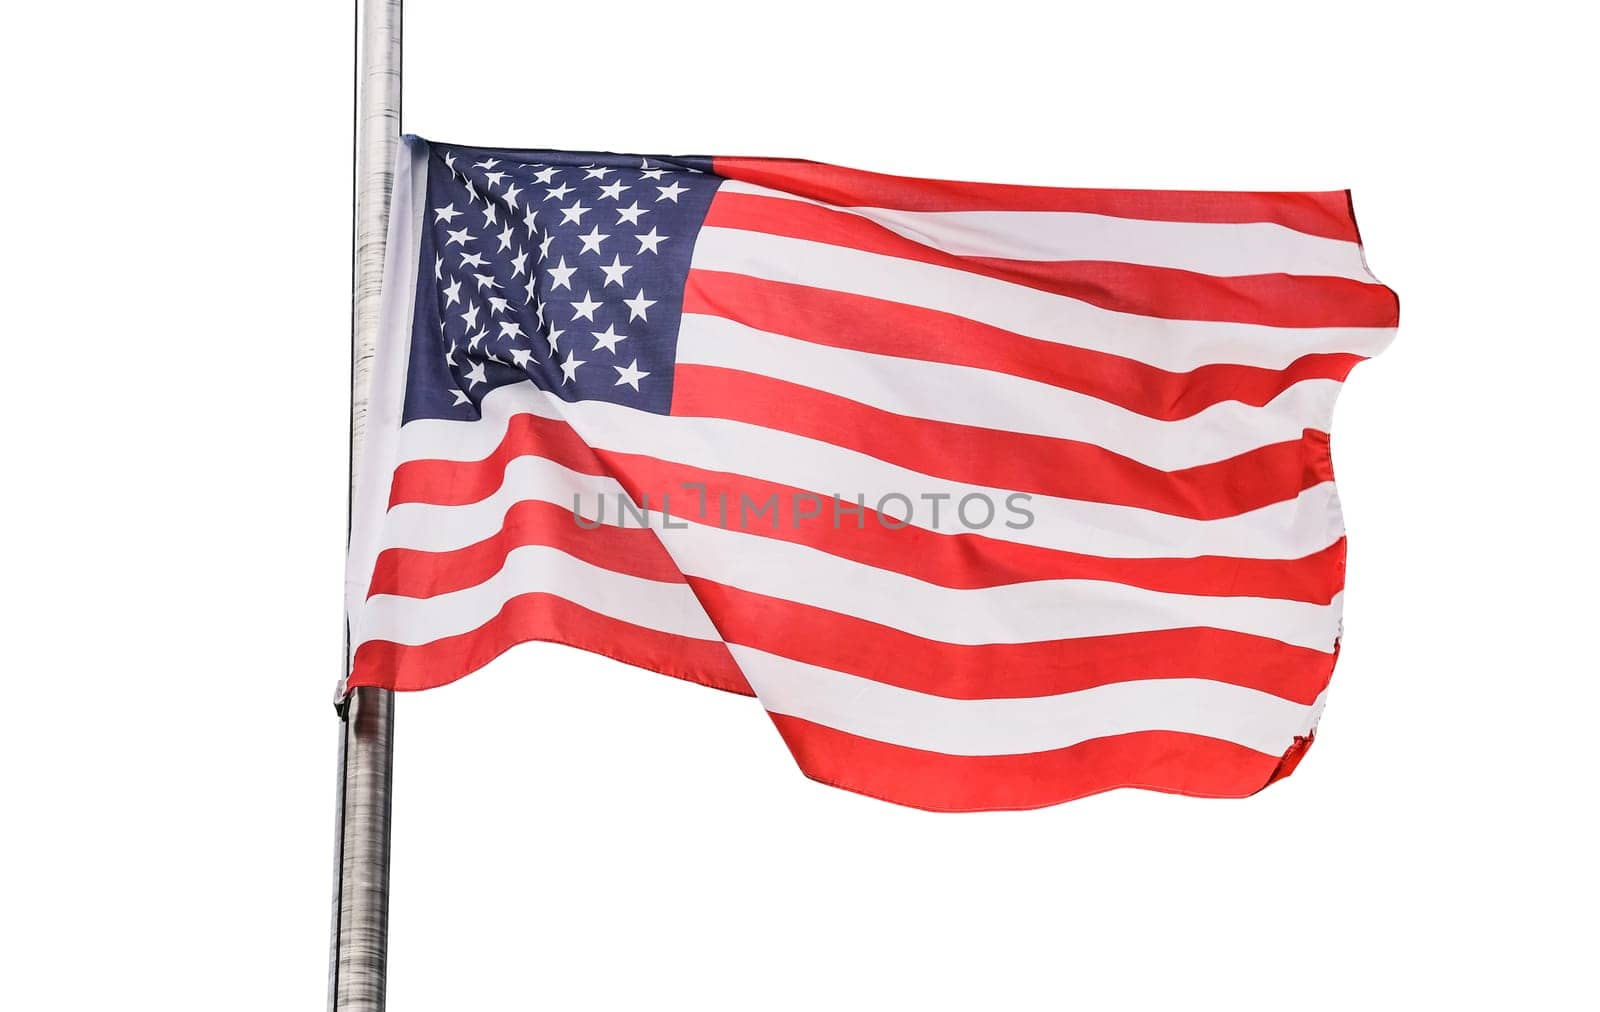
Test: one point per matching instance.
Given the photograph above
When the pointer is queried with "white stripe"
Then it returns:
(425, 528)
(1030, 612)
(1285, 530)
(997, 400)
(981, 727)
(1222, 249)
(667, 607)
(1175, 345)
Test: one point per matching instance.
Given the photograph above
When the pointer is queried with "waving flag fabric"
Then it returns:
(994, 496)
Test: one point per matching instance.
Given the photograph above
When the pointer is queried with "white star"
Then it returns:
(637, 305)
(447, 214)
(615, 271)
(561, 275)
(574, 213)
(520, 356)
(650, 173)
(473, 339)
(461, 399)
(533, 288)
(546, 174)
(553, 336)
(472, 191)
(460, 238)
(486, 164)
(671, 192)
(472, 260)
(511, 330)
(631, 375)
(544, 246)
(438, 268)
(597, 173)
(519, 263)
(631, 214)
(452, 293)
(471, 315)
(475, 375)
(528, 219)
(613, 190)
(494, 178)
(505, 238)
(569, 368)
(511, 194)
(486, 281)
(585, 309)
(450, 163)
(592, 241)
(497, 305)
(557, 192)
(650, 240)
(488, 214)
(608, 339)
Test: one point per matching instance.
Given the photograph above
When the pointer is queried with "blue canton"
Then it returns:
(562, 268)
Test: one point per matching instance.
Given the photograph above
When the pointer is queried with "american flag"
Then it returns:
(994, 496)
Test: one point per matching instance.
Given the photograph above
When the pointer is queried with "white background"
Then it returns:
(573, 834)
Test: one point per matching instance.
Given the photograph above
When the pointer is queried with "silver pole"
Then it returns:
(358, 956)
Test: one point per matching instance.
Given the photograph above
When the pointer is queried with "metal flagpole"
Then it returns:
(358, 956)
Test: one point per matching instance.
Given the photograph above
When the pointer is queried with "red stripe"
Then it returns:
(554, 619)
(1012, 461)
(411, 573)
(1154, 760)
(1274, 300)
(1324, 213)
(860, 323)
(1009, 670)
(457, 483)
(962, 560)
